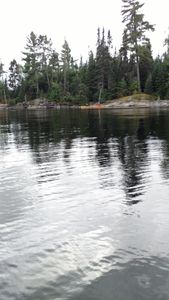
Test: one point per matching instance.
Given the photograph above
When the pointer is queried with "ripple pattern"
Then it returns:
(83, 215)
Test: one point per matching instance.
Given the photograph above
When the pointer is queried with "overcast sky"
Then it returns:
(75, 20)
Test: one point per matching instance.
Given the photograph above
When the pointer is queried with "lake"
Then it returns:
(84, 205)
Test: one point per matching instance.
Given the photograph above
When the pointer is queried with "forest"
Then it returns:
(46, 74)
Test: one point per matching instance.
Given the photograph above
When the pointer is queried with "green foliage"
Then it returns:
(14, 78)
(65, 65)
(105, 75)
(103, 61)
(38, 57)
(55, 92)
(12, 102)
(133, 87)
(91, 79)
(146, 63)
(122, 89)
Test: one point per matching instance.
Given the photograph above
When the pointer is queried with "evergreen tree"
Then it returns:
(37, 59)
(45, 53)
(54, 67)
(124, 48)
(15, 77)
(124, 70)
(136, 28)
(159, 78)
(65, 65)
(91, 79)
(32, 65)
(109, 39)
(1, 70)
(103, 61)
(146, 63)
(3, 84)
(117, 78)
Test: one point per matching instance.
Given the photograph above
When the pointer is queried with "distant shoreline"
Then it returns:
(128, 102)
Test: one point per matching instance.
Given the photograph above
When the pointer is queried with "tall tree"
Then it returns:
(38, 57)
(45, 52)
(109, 39)
(103, 60)
(136, 28)
(91, 78)
(146, 63)
(124, 60)
(66, 61)
(15, 76)
(54, 68)
(32, 65)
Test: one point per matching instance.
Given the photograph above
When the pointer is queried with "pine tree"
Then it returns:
(135, 29)
(37, 59)
(32, 65)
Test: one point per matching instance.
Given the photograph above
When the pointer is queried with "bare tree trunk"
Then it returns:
(138, 75)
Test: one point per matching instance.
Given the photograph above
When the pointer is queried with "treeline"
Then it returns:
(107, 73)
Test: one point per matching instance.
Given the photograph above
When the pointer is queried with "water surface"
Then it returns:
(84, 205)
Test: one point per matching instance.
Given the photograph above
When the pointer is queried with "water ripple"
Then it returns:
(84, 208)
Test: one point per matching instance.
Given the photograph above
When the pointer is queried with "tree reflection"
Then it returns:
(117, 138)
(133, 155)
(141, 130)
(125, 137)
(159, 128)
(4, 129)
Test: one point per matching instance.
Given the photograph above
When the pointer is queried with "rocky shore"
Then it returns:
(137, 104)
(120, 104)
(112, 104)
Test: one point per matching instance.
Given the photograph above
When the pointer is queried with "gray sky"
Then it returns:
(75, 20)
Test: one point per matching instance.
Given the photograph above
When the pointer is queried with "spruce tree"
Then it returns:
(66, 62)
(91, 78)
(146, 63)
(103, 62)
(15, 77)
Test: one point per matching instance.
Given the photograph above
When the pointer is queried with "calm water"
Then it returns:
(84, 205)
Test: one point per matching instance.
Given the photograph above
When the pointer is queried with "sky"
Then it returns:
(74, 20)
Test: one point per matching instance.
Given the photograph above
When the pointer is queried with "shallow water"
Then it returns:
(84, 205)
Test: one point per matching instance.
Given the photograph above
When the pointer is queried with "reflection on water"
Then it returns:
(84, 205)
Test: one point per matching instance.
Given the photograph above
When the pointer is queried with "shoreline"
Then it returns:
(119, 104)
(114, 104)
